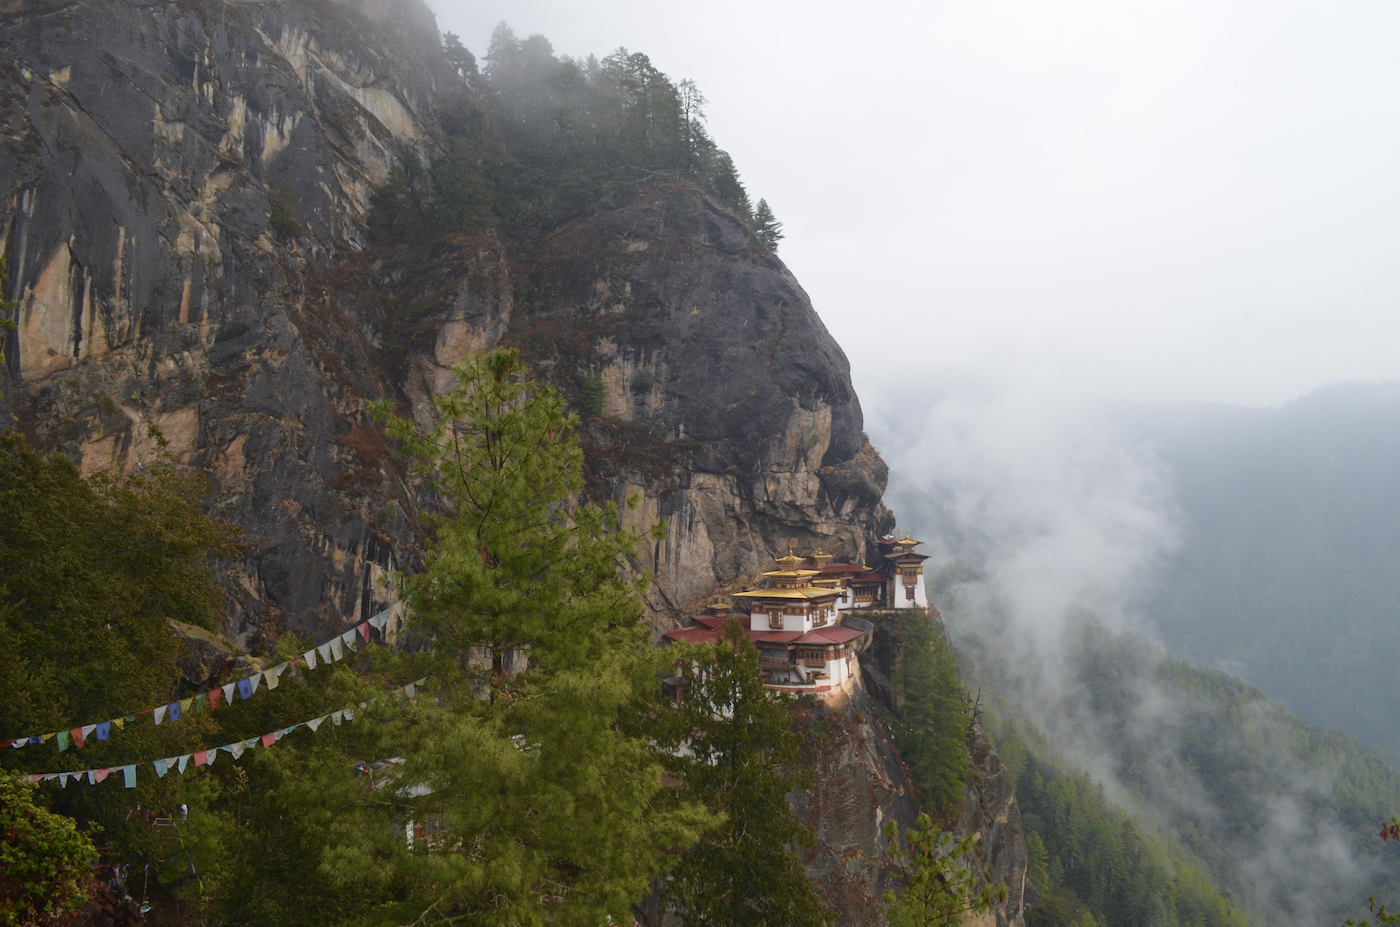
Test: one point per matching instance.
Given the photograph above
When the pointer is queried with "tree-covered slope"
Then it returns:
(1176, 776)
(1288, 573)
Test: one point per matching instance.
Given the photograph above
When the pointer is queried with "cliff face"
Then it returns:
(186, 187)
(183, 192)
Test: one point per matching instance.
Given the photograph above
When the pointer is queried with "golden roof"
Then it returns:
(806, 592)
(791, 559)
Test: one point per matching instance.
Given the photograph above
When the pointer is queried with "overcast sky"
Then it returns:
(1184, 200)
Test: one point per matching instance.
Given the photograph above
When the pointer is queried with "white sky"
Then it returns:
(1145, 200)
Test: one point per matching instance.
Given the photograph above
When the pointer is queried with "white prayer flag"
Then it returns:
(310, 658)
(182, 761)
(88, 729)
(336, 716)
(209, 757)
(228, 692)
(336, 653)
(326, 653)
(380, 620)
(236, 749)
(316, 722)
(348, 639)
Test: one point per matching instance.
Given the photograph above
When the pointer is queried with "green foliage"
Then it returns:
(458, 57)
(45, 863)
(91, 572)
(938, 892)
(1088, 860)
(592, 395)
(741, 757)
(550, 138)
(935, 721)
(535, 799)
(766, 226)
(286, 215)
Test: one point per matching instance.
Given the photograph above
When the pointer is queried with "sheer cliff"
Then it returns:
(184, 193)
(187, 188)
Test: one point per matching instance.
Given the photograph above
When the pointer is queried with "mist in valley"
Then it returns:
(1059, 530)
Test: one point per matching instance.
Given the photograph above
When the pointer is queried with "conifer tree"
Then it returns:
(742, 757)
(938, 892)
(517, 793)
(766, 226)
(936, 721)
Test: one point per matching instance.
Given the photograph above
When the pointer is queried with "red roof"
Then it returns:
(836, 568)
(836, 635)
(870, 578)
(716, 622)
(775, 637)
(694, 635)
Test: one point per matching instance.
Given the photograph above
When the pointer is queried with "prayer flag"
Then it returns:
(77, 735)
(250, 742)
(236, 749)
(121, 722)
(160, 713)
(273, 675)
(92, 776)
(161, 768)
(200, 701)
(43, 738)
(349, 715)
(181, 763)
(246, 687)
(310, 656)
(63, 780)
(364, 630)
(348, 639)
(36, 739)
(214, 696)
(325, 651)
(268, 740)
(228, 692)
(316, 722)
(174, 710)
(185, 704)
(102, 774)
(201, 757)
(336, 716)
(410, 690)
(62, 741)
(336, 653)
(129, 771)
(380, 620)
(87, 730)
(104, 730)
(211, 755)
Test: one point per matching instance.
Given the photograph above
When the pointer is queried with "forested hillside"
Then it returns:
(1288, 573)
(1163, 778)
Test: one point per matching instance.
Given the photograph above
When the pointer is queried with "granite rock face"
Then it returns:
(186, 188)
(183, 196)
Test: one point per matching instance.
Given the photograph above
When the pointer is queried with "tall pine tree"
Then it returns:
(740, 754)
(518, 792)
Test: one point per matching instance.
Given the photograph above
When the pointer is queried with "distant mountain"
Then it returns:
(1289, 571)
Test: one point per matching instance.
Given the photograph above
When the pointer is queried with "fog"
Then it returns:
(1010, 213)
(1047, 528)
(1186, 200)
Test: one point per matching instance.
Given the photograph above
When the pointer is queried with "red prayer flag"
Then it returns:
(364, 632)
(100, 774)
(201, 758)
(77, 735)
(215, 695)
(269, 739)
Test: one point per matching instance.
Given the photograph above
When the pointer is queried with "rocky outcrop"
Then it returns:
(186, 189)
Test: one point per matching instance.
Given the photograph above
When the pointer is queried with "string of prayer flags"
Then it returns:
(207, 757)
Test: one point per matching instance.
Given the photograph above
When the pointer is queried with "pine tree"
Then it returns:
(458, 56)
(742, 757)
(766, 226)
(530, 799)
(936, 721)
(938, 892)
